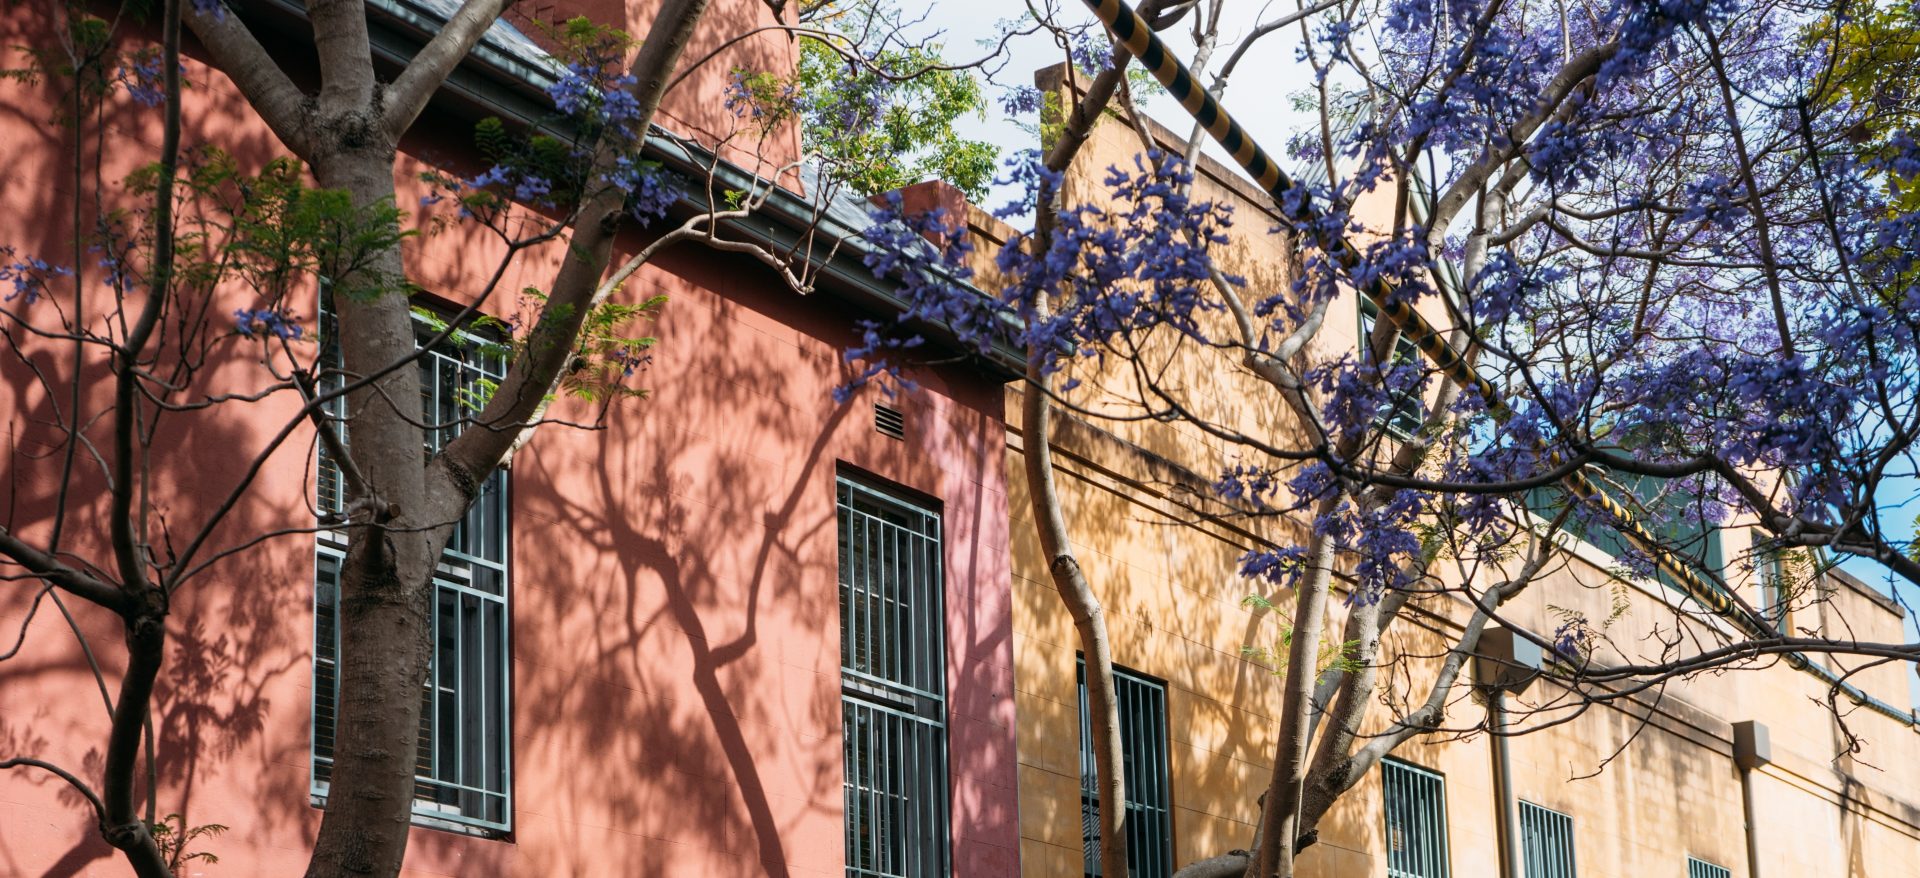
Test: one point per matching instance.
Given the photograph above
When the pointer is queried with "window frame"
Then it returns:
(1408, 408)
(1544, 502)
(1539, 824)
(1143, 817)
(1394, 773)
(440, 801)
(1776, 591)
(1699, 868)
(900, 702)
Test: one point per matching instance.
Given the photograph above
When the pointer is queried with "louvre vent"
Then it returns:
(889, 421)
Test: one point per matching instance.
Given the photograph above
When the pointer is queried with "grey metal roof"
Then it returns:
(829, 212)
(503, 45)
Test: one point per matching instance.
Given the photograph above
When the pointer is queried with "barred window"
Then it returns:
(1142, 704)
(1778, 572)
(893, 685)
(1415, 801)
(1546, 842)
(1669, 512)
(1406, 410)
(463, 765)
(1697, 868)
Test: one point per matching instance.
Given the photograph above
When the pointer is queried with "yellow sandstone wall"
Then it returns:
(1649, 780)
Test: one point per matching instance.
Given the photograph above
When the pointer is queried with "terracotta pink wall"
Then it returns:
(675, 640)
(678, 599)
(697, 105)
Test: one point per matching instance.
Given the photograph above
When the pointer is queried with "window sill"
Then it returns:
(1666, 595)
(428, 815)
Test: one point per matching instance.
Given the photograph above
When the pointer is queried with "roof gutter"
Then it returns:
(500, 77)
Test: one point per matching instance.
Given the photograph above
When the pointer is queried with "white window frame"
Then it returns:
(893, 676)
(1419, 808)
(471, 589)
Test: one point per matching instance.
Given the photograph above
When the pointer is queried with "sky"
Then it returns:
(1899, 503)
(1259, 95)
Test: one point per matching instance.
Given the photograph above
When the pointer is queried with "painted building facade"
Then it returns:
(641, 657)
(1647, 786)
(733, 628)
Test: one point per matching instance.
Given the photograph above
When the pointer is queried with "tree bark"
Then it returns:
(1089, 618)
(122, 826)
(1069, 579)
(1280, 819)
(1232, 864)
(507, 416)
(386, 582)
(386, 587)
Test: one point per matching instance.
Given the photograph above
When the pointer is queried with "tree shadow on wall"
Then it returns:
(689, 657)
(240, 632)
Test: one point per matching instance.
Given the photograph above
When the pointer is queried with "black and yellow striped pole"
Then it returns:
(1131, 31)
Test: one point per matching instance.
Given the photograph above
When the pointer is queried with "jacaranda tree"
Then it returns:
(1660, 275)
(187, 305)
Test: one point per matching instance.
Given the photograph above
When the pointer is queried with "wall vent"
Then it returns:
(889, 421)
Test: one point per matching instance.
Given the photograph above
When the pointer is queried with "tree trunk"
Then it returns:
(386, 582)
(1280, 819)
(1089, 618)
(123, 827)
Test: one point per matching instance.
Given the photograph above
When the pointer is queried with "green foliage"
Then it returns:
(1143, 85)
(1052, 119)
(475, 396)
(1445, 536)
(1877, 55)
(1329, 657)
(1793, 574)
(172, 835)
(267, 230)
(1877, 65)
(885, 121)
(582, 39)
(277, 230)
(553, 167)
(605, 356)
(343, 240)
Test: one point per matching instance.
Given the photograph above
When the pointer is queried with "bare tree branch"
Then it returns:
(266, 87)
(410, 91)
(56, 573)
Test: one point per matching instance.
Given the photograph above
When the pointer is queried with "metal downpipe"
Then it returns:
(1504, 831)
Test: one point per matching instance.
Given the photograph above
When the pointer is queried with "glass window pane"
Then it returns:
(1414, 805)
(463, 755)
(893, 706)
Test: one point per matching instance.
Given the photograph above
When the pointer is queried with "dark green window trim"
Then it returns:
(1143, 746)
(1698, 868)
(1546, 842)
(1414, 802)
(1407, 409)
(893, 674)
(1665, 513)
